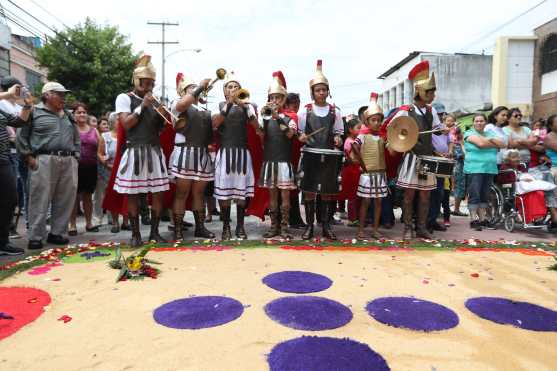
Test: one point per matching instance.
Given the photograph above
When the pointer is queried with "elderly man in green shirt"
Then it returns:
(50, 145)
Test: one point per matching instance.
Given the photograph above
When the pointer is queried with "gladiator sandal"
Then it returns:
(240, 231)
(421, 230)
(309, 206)
(225, 215)
(154, 235)
(407, 216)
(178, 227)
(275, 226)
(135, 241)
(325, 219)
(285, 214)
(200, 230)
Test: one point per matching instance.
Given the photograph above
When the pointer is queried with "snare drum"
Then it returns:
(320, 170)
(441, 167)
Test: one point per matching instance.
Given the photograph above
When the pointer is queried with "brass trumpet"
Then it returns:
(221, 73)
(241, 96)
(159, 104)
(268, 111)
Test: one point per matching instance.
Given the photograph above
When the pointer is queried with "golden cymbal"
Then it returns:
(402, 133)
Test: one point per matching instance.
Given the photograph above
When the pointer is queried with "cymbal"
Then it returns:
(402, 133)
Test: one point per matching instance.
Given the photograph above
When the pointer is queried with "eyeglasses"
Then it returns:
(517, 115)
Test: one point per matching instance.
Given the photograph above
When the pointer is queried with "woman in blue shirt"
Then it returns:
(480, 166)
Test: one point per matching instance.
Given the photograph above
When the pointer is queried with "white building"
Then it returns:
(463, 80)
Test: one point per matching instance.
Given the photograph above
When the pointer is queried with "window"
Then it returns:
(33, 79)
(548, 51)
(4, 62)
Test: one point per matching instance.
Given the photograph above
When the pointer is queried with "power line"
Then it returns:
(49, 13)
(32, 16)
(503, 25)
(20, 19)
(23, 27)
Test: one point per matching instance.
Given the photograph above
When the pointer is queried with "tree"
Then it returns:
(94, 62)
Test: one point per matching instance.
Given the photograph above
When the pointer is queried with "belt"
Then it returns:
(56, 153)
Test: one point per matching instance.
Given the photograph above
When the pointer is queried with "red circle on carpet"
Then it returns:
(23, 304)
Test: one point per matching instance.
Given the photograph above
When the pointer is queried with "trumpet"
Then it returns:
(268, 111)
(157, 106)
(221, 73)
(241, 96)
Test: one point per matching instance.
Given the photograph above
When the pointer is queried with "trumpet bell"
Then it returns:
(221, 73)
(402, 133)
(180, 123)
(242, 96)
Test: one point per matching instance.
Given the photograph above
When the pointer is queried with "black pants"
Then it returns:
(8, 201)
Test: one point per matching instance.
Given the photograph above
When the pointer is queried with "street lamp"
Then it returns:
(196, 50)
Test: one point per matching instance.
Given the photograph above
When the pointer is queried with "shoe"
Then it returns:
(552, 227)
(488, 224)
(353, 223)
(93, 229)
(57, 239)
(178, 232)
(135, 240)
(215, 212)
(309, 206)
(200, 230)
(115, 229)
(154, 234)
(225, 216)
(125, 227)
(14, 235)
(458, 213)
(240, 231)
(145, 219)
(447, 223)
(437, 227)
(275, 225)
(35, 245)
(476, 225)
(72, 232)
(11, 250)
(388, 226)
(343, 215)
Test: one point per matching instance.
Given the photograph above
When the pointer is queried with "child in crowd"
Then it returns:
(351, 173)
(456, 149)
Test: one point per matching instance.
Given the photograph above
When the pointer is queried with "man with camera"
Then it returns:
(11, 91)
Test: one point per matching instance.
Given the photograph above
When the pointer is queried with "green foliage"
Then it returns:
(95, 62)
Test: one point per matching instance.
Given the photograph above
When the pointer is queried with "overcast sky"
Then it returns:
(357, 40)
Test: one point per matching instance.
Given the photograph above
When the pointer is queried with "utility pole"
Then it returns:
(163, 42)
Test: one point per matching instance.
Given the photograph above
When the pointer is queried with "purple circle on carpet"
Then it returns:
(412, 313)
(198, 312)
(516, 313)
(297, 282)
(324, 353)
(310, 313)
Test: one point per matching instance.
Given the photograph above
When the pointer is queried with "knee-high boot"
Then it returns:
(309, 206)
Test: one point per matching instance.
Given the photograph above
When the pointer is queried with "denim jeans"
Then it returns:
(478, 190)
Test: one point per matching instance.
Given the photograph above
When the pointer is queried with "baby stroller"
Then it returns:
(514, 206)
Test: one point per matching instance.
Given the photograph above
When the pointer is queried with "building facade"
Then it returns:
(18, 58)
(544, 84)
(463, 80)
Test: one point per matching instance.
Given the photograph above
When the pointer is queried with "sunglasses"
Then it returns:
(517, 115)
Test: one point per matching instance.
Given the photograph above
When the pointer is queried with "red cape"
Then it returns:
(113, 201)
(260, 202)
(391, 161)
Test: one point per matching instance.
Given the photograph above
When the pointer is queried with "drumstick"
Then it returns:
(430, 131)
(315, 132)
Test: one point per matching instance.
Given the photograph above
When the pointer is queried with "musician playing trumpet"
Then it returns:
(234, 176)
(142, 168)
(369, 148)
(191, 164)
(277, 173)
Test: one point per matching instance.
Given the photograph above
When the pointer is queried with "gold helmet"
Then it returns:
(373, 108)
(230, 77)
(182, 83)
(278, 86)
(144, 69)
(319, 78)
(422, 81)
